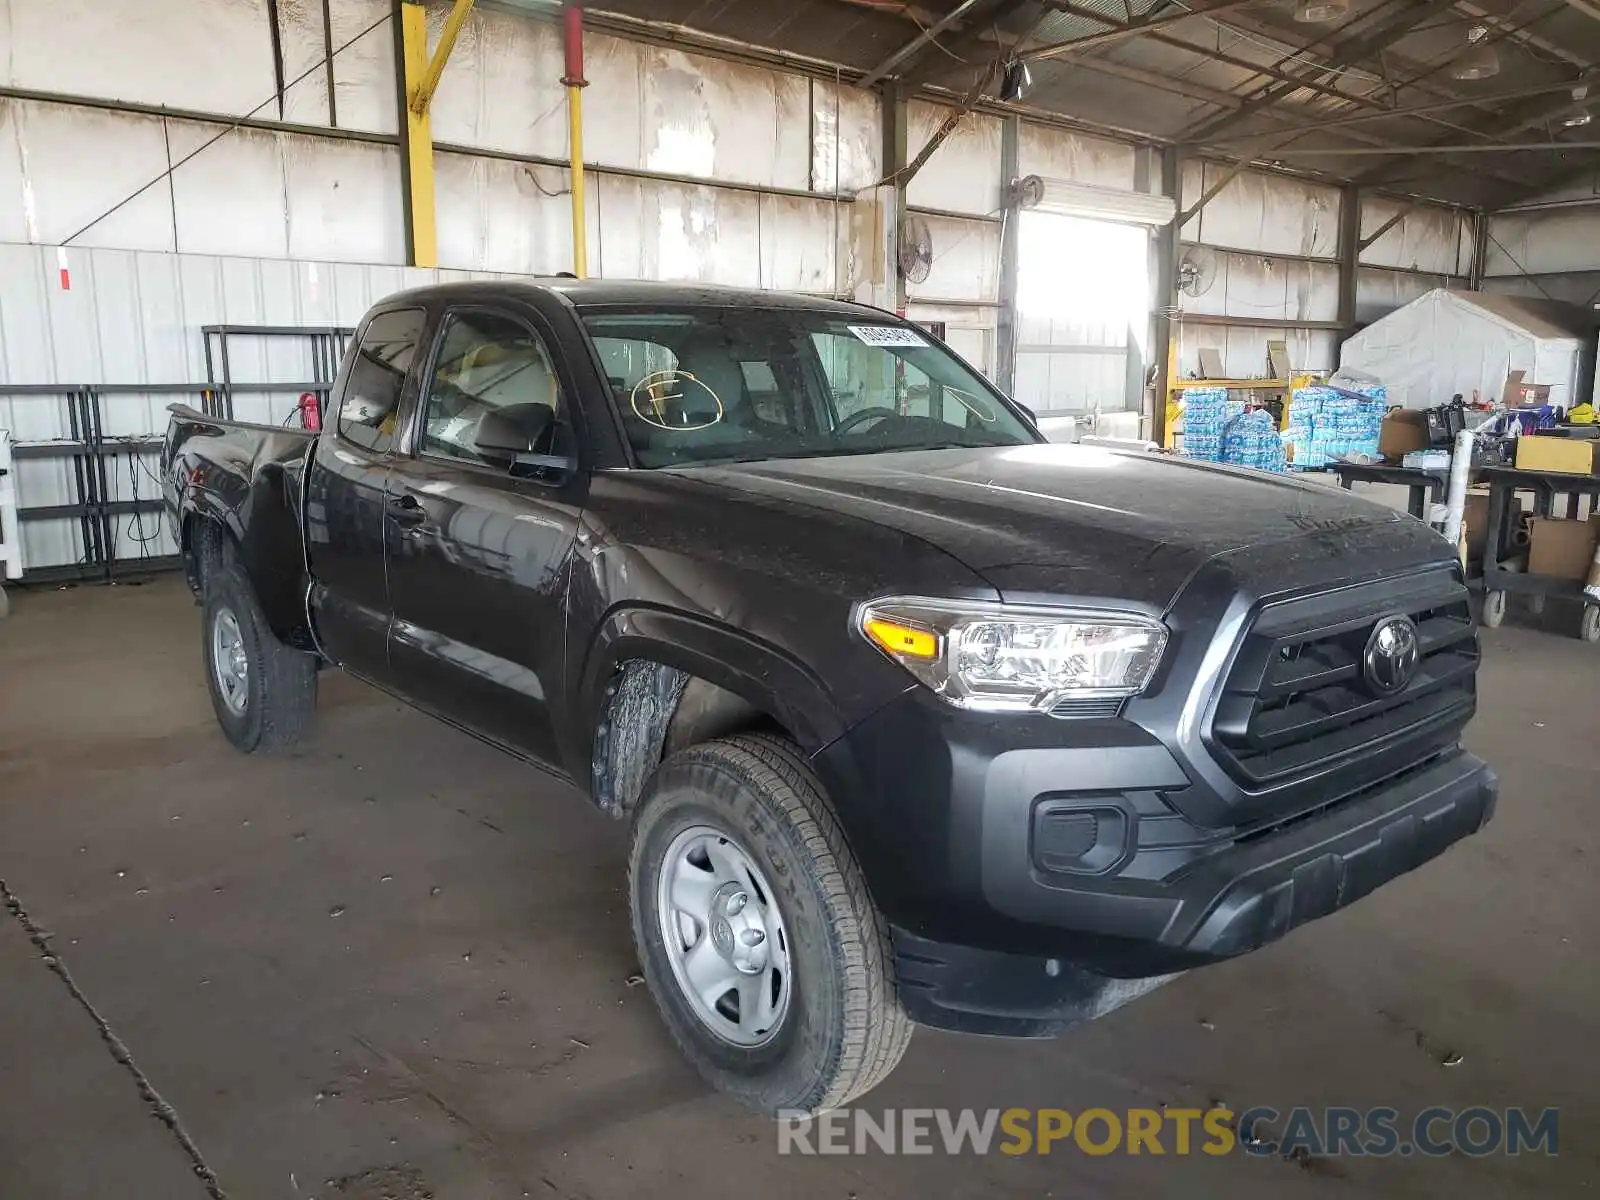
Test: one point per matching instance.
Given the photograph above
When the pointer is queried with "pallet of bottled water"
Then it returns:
(1328, 424)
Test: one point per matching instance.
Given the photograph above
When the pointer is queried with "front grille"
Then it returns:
(1297, 702)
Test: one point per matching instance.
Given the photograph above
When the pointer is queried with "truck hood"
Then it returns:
(1061, 520)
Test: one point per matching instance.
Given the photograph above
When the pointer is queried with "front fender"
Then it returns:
(758, 672)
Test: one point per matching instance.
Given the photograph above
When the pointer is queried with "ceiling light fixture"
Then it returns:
(1580, 115)
(1320, 12)
(1479, 60)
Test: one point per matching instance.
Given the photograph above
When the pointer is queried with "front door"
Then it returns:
(346, 524)
(480, 547)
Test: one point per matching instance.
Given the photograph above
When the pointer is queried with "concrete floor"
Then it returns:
(397, 965)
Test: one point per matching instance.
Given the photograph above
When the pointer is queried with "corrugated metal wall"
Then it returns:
(268, 226)
(1549, 254)
(1232, 239)
(134, 317)
(1427, 247)
(1270, 247)
(285, 226)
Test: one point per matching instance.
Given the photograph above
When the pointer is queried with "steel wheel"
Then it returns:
(724, 937)
(229, 663)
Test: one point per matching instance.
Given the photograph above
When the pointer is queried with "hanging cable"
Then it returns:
(272, 99)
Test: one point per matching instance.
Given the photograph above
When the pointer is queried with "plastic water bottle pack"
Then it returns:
(1218, 429)
(1252, 440)
(1327, 424)
(1205, 412)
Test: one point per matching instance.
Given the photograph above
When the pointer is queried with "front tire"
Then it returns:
(766, 957)
(263, 692)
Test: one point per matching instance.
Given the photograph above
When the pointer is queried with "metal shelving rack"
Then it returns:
(93, 452)
(327, 345)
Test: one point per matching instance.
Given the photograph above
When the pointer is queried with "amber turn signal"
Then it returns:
(902, 641)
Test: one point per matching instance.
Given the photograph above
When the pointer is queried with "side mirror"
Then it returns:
(521, 434)
(508, 432)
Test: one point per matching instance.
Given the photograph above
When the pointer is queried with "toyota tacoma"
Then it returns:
(914, 717)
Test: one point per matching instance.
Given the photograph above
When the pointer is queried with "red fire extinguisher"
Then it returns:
(310, 412)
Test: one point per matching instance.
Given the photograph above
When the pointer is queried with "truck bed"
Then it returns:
(241, 483)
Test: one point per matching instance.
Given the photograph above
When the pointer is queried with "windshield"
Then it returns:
(703, 385)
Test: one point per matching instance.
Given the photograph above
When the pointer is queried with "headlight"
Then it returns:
(1005, 659)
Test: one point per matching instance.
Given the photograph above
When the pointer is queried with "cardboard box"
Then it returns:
(1563, 549)
(1572, 456)
(1518, 394)
(1475, 521)
(1403, 430)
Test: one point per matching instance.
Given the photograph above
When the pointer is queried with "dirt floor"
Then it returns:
(396, 965)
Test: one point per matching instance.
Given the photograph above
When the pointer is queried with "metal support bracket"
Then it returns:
(419, 93)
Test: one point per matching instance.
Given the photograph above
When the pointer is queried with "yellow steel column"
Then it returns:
(572, 24)
(419, 138)
(422, 73)
(580, 228)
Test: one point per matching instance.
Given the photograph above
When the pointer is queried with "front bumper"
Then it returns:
(1004, 924)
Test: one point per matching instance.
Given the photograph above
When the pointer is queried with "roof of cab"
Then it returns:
(586, 293)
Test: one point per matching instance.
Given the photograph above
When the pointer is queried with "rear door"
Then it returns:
(481, 547)
(346, 502)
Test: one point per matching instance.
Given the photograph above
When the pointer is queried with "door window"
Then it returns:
(493, 381)
(370, 406)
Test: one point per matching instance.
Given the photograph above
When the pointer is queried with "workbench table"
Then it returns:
(1427, 486)
(1496, 580)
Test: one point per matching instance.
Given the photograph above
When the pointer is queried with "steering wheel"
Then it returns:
(866, 414)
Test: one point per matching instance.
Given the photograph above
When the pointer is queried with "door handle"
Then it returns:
(406, 509)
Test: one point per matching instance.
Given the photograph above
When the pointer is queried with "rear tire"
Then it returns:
(754, 800)
(263, 692)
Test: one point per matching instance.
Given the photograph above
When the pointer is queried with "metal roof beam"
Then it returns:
(1235, 101)
(1587, 7)
(1381, 114)
(1510, 123)
(1346, 52)
(1462, 148)
(907, 53)
(1573, 173)
(1121, 32)
(1496, 22)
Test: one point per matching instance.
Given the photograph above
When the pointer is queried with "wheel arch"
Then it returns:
(657, 681)
(261, 532)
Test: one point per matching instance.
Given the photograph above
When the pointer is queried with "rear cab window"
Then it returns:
(369, 408)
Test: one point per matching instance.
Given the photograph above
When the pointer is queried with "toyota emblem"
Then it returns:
(1391, 657)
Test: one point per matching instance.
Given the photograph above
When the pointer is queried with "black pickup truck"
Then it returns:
(915, 717)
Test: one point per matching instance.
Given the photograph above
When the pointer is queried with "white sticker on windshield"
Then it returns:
(888, 335)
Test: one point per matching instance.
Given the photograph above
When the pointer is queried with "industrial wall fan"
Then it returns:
(916, 250)
(1197, 271)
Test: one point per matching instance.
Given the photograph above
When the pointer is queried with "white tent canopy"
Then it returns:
(1448, 342)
